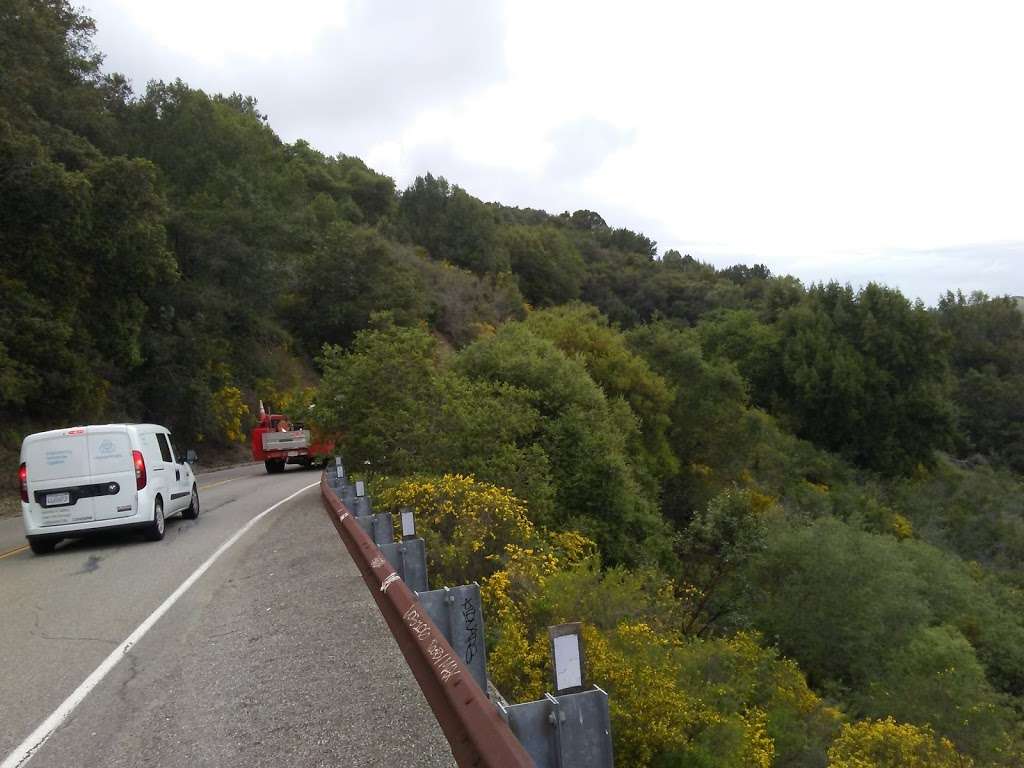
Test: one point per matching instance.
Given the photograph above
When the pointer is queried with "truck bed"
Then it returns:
(286, 441)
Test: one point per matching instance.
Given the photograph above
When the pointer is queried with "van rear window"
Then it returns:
(109, 452)
(57, 457)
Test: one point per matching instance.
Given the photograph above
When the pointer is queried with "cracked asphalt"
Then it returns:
(277, 655)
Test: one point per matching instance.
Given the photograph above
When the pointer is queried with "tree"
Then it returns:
(395, 404)
(352, 274)
(451, 224)
(865, 375)
(585, 437)
(895, 627)
(708, 430)
(546, 264)
(987, 354)
(718, 540)
(739, 336)
(836, 600)
(585, 220)
(127, 256)
(937, 680)
(582, 333)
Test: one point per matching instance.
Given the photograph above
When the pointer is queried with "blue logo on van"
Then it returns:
(107, 446)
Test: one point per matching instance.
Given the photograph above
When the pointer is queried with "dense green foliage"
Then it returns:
(987, 360)
(803, 503)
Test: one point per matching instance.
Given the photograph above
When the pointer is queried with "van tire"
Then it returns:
(43, 546)
(274, 466)
(155, 530)
(192, 512)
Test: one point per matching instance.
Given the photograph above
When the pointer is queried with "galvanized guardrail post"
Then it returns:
(379, 527)
(458, 613)
(361, 504)
(409, 557)
(564, 731)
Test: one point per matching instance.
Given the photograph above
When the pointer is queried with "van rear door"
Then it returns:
(58, 468)
(113, 473)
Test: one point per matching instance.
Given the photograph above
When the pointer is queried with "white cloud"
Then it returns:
(812, 136)
(213, 33)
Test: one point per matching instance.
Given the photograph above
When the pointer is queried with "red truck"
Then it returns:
(276, 441)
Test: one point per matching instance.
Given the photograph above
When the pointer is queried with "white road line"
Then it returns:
(23, 753)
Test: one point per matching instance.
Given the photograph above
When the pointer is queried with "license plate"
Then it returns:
(293, 453)
(56, 499)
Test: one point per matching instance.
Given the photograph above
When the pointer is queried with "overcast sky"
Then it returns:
(857, 141)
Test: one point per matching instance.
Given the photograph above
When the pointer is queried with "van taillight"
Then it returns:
(23, 481)
(140, 470)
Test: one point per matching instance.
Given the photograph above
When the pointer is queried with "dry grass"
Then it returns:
(9, 503)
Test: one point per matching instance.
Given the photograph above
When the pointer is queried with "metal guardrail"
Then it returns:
(477, 734)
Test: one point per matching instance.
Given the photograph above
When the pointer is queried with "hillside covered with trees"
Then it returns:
(791, 515)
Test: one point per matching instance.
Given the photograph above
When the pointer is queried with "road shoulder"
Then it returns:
(277, 656)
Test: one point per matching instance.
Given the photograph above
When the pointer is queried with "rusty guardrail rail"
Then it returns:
(476, 732)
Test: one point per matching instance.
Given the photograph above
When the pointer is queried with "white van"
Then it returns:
(84, 479)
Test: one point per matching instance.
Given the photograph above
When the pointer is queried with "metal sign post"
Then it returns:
(408, 523)
(567, 661)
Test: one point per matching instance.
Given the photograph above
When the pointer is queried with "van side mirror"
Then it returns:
(191, 457)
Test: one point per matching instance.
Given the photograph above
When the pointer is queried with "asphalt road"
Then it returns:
(276, 655)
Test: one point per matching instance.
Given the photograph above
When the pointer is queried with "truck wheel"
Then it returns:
(43, 546)
(193, 508)
(272, 466)
(155, 530)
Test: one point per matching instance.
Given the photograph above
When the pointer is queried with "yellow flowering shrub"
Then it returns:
(518, 660)
(468, 525)
(882, 518)
(650, 712)
(726, 702)
(758, 746)
(900, 526)
(659, 716)
(737, 673)
(675, 700)
(228, 412)
(888, 744)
